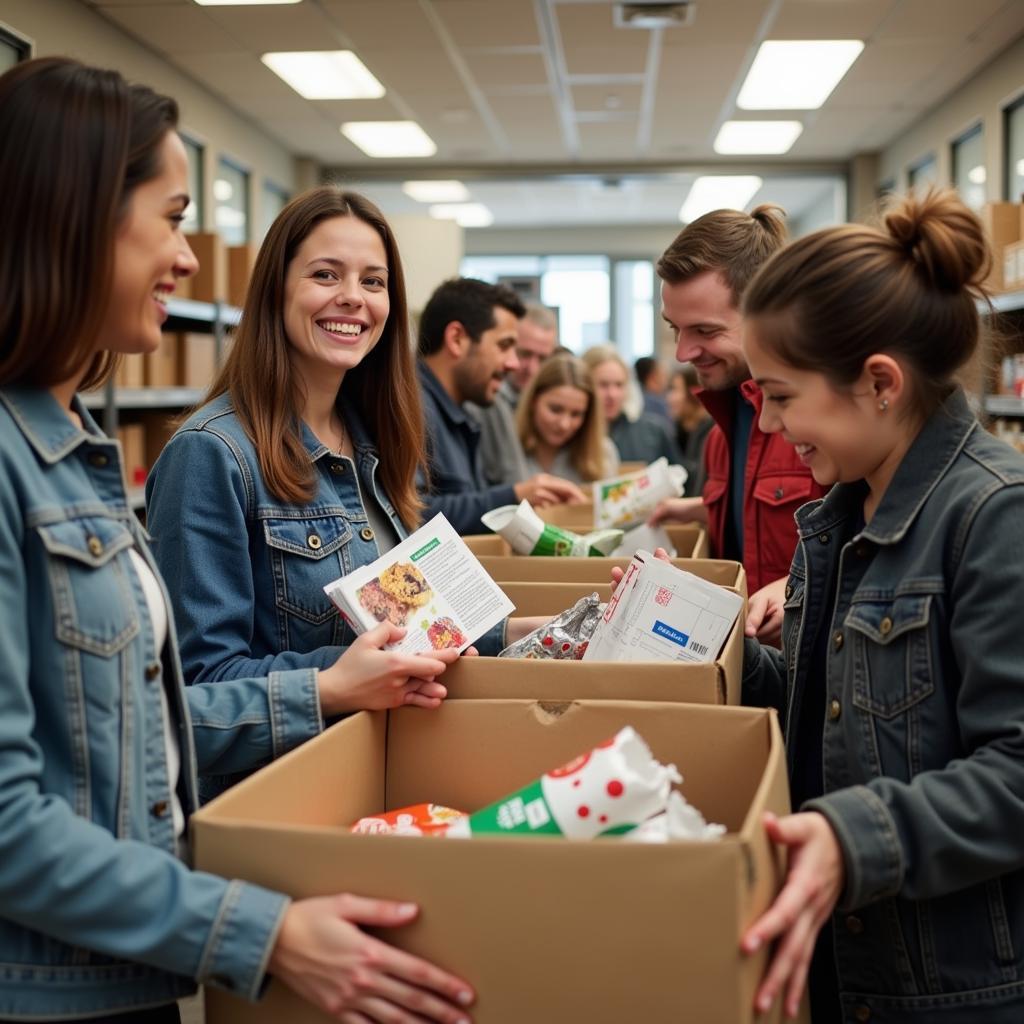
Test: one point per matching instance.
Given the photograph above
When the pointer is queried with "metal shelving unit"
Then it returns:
(1004, 405)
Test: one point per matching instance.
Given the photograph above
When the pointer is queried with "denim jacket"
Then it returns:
(97, 913)
(923, 752)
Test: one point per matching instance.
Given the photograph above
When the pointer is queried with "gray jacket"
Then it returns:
(501, 454)
(923, 752)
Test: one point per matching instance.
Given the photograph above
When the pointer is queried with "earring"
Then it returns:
(883, 404)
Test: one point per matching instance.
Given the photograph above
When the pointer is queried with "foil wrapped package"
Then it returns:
(528, 534)
(565, 637)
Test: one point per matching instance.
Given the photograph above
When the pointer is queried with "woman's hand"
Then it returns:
(325, 958)
(764, 613)
(815, 880)
(368, 678)
(679, 510)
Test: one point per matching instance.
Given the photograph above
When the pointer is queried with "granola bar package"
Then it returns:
(565, 637)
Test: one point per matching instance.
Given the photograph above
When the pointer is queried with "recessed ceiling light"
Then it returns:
(389, 138)
(325, 74)
(796, 74)
(245, 3)
(469, 215)
(757, 136)
(718, 192)
(436, 191)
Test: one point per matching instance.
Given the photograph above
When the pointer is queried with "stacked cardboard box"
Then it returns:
(1004, 225)
(690, 541)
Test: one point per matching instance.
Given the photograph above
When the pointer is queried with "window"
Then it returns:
(12, 49)
(231, 193)
(969, 174)
(273, 201)
(194, 213)
(633, 295)
(1015, 151)
(885, 188)
(925, 172)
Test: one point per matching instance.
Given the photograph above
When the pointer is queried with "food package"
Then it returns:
(417, 820)
(565, 637)
(608, 791)
(628, 500)
(679, 820)
(528, 534)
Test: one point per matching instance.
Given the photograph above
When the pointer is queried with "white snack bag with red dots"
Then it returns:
(681, 820)
(608, 791)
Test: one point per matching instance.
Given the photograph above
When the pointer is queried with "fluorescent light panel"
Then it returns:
(325, 74)
(757, 136)
(718, 192)
(436, 191)
(796, 74)
(389, 138)
(469, 215)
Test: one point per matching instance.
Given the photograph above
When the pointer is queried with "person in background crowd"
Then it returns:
(467, 342)
(501, 455)
(275, 486)
(561, 426)
(101, 916)
(641, 440)
(899, 682)
(755, 480)
(693, 423)
(650, 376)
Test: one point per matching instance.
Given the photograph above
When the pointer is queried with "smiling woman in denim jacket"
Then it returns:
(300, 467)
(900, 681)
(100, 914)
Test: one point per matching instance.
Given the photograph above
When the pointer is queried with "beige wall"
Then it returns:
(646, 242)
(982, 98)
(69, 28)
(431, 252)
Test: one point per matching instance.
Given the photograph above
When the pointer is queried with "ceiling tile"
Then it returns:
(272, 28)
(615, 96)
(173, 28)
(613, 141)
(366, 23)
(497, 69)
(593, 46)
(830, 19)
(505, 23)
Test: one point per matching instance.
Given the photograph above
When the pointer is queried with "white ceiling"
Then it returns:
(511, 86)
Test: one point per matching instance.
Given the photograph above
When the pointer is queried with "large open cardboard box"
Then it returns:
(689, 540)
(549, 931)
(717, 682)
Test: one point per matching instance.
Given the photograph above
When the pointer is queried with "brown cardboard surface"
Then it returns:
(210, 282)
(162, 363)
(569, 516)
(1003, 224)
(547, 930)
(131, 371)
(690, 541)
(241, 259)
(198, 360)
(133, 448)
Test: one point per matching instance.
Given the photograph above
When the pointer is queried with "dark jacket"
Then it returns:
(457, 486)
(644, 439)
(923, 750)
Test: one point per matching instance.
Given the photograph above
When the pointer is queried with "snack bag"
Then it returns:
(565, 637)
(680, 820)
(528, 534)
(418, 820)
(608, 791)
(627, 501)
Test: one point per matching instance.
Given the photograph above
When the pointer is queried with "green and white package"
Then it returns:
(608, 791)
(528, 534)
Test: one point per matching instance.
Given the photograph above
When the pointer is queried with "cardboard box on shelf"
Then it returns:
(241, 259)
(210, 283)
(690, 541)
(197, 360)
(131, 371)
(133, 448)
(160, 426)
(602, 931)
(162, 364)
(1013, 266)
(1002, 224)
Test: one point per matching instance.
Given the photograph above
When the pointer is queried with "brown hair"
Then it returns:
(733, 243)
(382, 389)
(597, 355)
(586, 449)
(77, 141)
(909, 288)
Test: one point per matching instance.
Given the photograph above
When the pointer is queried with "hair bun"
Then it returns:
(943, 237)
(772, 218)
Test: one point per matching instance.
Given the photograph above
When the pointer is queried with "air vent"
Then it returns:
(655, 14)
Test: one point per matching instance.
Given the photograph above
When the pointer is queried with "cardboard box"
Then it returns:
(1002, 224)
(133, 448)
(241, 260)
(717, 682)
(547, 930)
(162, 365)
(160, 427)
(1013, 265)
(197, 360)
(690, 541)
(131, 371)
(210, 283)
(572, 517)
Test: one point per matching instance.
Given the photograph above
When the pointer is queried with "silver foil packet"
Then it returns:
(565, 637)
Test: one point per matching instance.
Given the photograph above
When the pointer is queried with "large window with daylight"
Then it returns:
(969, 175)
(273, 200)
(1015, 151)
(923, 173)
(194, 213)
(231, 194)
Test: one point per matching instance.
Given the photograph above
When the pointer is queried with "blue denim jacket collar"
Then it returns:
(46, 426)
(450, 409)
(926, 462)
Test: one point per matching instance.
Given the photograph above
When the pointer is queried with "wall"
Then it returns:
(983, 97)
(431, 252)
(69, 28)
(645, 241)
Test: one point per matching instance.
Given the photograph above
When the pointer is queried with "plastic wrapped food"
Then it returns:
(680, 820)
(528, 534)
(565, 637)
(417, 820)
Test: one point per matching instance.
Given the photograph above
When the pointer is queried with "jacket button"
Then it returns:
(337, 468)
(366, 533)
(98, 459)
(837, 640)
(854, 925)
(779, 492)
(885, 626)
(862, 1013)
(95, 546)
(159, 809)
(824, 538)
(789, 591)
(314, 542)
(152, 671)
(835, 709)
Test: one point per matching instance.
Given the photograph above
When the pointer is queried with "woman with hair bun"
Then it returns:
(900, 677)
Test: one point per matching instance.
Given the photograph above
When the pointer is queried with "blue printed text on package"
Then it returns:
(665, 630)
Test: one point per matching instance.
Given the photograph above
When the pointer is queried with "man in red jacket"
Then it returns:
(755, 481)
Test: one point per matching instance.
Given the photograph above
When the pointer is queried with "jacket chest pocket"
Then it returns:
(792, 620)
(306, 555)
(892, 662)
(94, 603)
